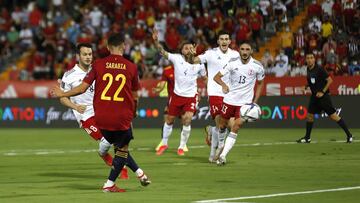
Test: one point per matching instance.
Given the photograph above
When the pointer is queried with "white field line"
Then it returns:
(278, 195)
(62, 151)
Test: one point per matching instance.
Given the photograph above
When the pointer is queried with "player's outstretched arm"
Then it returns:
(218, 80)
(68, 103)
(57, 92)
(259, 88)
(158, 45)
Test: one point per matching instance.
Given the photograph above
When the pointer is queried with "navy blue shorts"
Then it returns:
(118, 138)
(317, 105)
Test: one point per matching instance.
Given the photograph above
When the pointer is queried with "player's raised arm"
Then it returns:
(158, 45)
(196, 59)
(57, 92)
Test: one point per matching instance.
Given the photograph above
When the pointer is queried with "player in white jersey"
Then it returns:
(215, 59)
(183, 101)
(244, 72)
(82, 105)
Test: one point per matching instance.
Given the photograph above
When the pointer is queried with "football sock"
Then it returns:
(109, 183)
(214, 141)
(221, 137)
(229, 143)
(139, 172)
(185, 134)
(131, 163)
(342, 124)
(309, 126)
(104, 146)
(118, 163)
(167, 129)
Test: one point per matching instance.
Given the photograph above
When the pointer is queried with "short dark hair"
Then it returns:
(115, 39)
(184, 43)
(80, 45)
(245, 42)
(223, 32)
(309, 53)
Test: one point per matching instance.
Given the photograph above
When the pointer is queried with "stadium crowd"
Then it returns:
(50, 30)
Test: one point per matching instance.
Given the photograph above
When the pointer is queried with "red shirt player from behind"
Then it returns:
(115, 102)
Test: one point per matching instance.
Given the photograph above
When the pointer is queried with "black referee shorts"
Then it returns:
(317, 105)
(118, 138)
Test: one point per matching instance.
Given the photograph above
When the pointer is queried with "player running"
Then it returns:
(244, 72)
(215, 59)
(82, 105)
(183, 101)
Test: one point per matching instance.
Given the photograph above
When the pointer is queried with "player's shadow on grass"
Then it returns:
(71, 175)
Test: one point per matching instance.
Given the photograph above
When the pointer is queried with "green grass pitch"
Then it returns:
(62, 165)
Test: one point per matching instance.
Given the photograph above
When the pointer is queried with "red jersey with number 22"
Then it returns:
(116, 79)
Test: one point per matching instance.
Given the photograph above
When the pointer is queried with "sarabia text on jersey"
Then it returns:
(73, 78)
(242, 80)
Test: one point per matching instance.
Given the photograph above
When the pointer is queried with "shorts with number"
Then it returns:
(179, 105)
(215, 103)
(90, 127)
(118, 138)
(317, 105)
(228, 111)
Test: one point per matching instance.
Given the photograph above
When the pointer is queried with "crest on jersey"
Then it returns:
(219, 58)
(312, 80)
(251, 72)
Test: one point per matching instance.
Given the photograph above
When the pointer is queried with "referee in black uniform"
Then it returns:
(319, 81)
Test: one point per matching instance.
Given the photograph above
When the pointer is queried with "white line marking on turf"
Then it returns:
(61, 151)
(279, 194)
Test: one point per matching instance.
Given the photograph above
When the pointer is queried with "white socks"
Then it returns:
(214, 141)
(109, 183)
(229, 143)
(221, 138)
(167, 129)
(139, 172)
(185, 134)
(104, 146)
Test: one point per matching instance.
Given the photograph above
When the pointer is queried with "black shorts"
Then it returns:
(118, 138)
(317, 105)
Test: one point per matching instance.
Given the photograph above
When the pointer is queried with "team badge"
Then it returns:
(312, 80)
(251, 72)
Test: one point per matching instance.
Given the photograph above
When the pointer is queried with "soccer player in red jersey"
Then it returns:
(82, 105)
(115, 105)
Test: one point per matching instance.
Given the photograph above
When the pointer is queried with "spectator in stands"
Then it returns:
(243, 33)
(354, 68)
(287, 41)
(281, 67)
(264, 6)
(315, 24)
(256, 24)
(314, 9)
(340, 35)
(354, 48)
(341, 50)
(299, 39)
(330, 44)
(326, 29)
(326, 7)
(331, 62)
(343, 69)
(267, 60)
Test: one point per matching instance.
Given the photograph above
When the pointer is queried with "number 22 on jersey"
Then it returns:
(110, 79)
